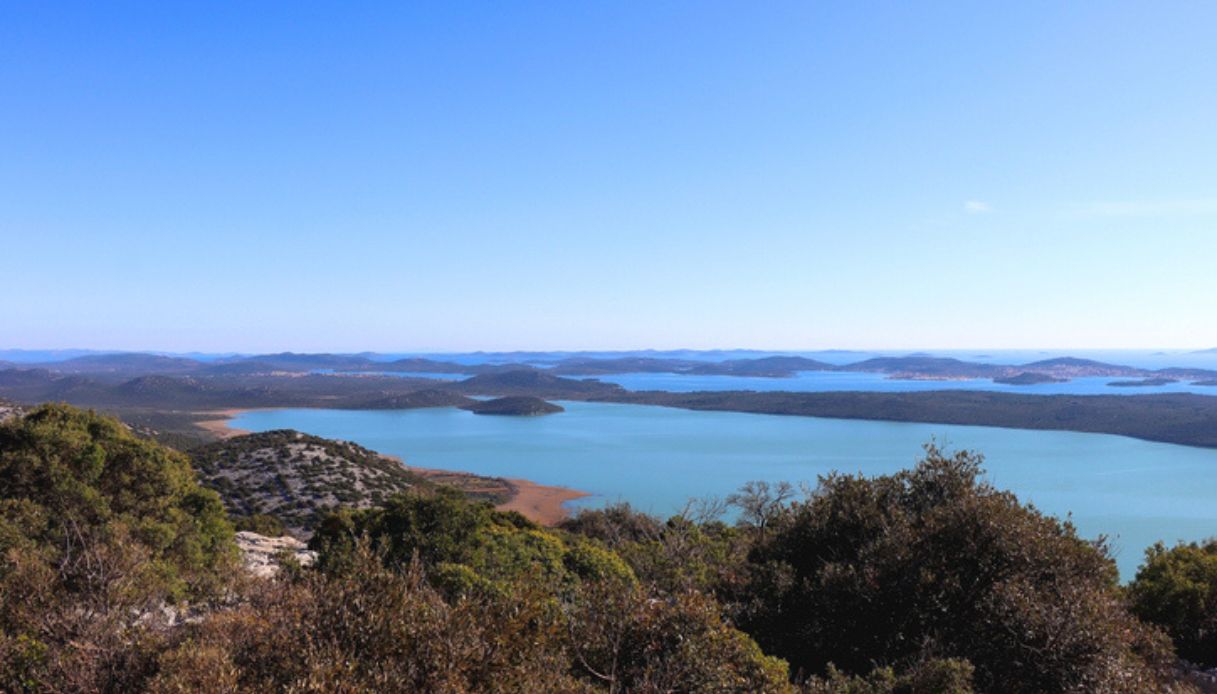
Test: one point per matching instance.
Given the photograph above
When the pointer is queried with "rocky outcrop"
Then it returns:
(261, 554)
(9, 410)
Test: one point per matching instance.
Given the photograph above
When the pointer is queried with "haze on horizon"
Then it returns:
(467, 176)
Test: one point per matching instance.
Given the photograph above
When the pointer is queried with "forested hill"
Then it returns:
(1179, 418)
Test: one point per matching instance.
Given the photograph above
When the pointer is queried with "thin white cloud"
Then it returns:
(1149, 208)
(976, 207)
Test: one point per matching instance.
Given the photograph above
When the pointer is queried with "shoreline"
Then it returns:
(220, 427)
(540, 503)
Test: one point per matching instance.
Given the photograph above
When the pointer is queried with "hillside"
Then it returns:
(428, 397)
(775, 367)
(297, 477)
(1181, 418)
(534, 383)
(123, 363)
(590, 366)
(1028, 378)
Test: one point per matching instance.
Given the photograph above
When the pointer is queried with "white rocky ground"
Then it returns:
(260, 552)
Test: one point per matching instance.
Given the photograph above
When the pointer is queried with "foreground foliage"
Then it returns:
(928, 580)
(100, 533)
(1177, 590)
(933, 562)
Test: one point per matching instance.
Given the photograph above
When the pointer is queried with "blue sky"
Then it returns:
(454, 176)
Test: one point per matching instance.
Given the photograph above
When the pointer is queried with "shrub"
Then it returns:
(933, 562)
(1177, 589)
(260, 523)
(100, 532)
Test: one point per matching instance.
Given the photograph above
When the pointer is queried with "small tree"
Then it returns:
(759, 503)
(1177, 589)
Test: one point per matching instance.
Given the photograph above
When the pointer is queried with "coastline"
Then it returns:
(220, 427)
(540, 503)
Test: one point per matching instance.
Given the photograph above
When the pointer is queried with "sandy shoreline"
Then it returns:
(540, 503)
(220, 426)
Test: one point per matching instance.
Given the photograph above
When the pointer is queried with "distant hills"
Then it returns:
(179, 393)
(1180, 418)
(913, 366)
(365, 381)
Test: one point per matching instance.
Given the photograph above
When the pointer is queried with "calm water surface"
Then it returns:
(656, 458)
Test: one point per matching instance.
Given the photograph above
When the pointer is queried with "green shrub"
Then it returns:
(1177, 589)
(260, 523)
(934, 562)
(99, 532)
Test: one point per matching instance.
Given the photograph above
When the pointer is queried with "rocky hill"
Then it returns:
(297, 478)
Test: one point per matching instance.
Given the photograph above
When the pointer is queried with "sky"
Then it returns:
(263, 176)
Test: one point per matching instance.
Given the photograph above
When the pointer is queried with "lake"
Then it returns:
(656, 458)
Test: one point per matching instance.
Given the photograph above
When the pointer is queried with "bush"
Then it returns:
(933, 562)
(260, 523)
(443, 528)
(371, 629)
(100, 532)
(1177, 589)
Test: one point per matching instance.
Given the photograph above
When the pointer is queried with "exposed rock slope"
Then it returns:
(296, 477)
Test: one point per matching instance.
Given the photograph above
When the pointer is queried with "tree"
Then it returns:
(100, 533)
(759, 503)
(933, 562)
(1177, 589)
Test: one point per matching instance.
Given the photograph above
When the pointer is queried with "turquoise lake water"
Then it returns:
(1136, 492)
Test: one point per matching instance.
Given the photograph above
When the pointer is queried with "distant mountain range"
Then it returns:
(913, 366)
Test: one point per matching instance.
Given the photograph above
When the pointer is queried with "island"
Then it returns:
(1028, 378)
(1143, 382)
(516, 406)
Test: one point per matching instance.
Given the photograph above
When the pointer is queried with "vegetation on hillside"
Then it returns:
(100, 533)
(297, 478)
(928, 580)
(518, 406)
(1176, 589)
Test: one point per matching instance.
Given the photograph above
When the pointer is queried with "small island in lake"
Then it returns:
(519, 406)
(1028, 378)
(1143, 382)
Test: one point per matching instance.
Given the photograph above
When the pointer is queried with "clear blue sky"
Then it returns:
(452, 176)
